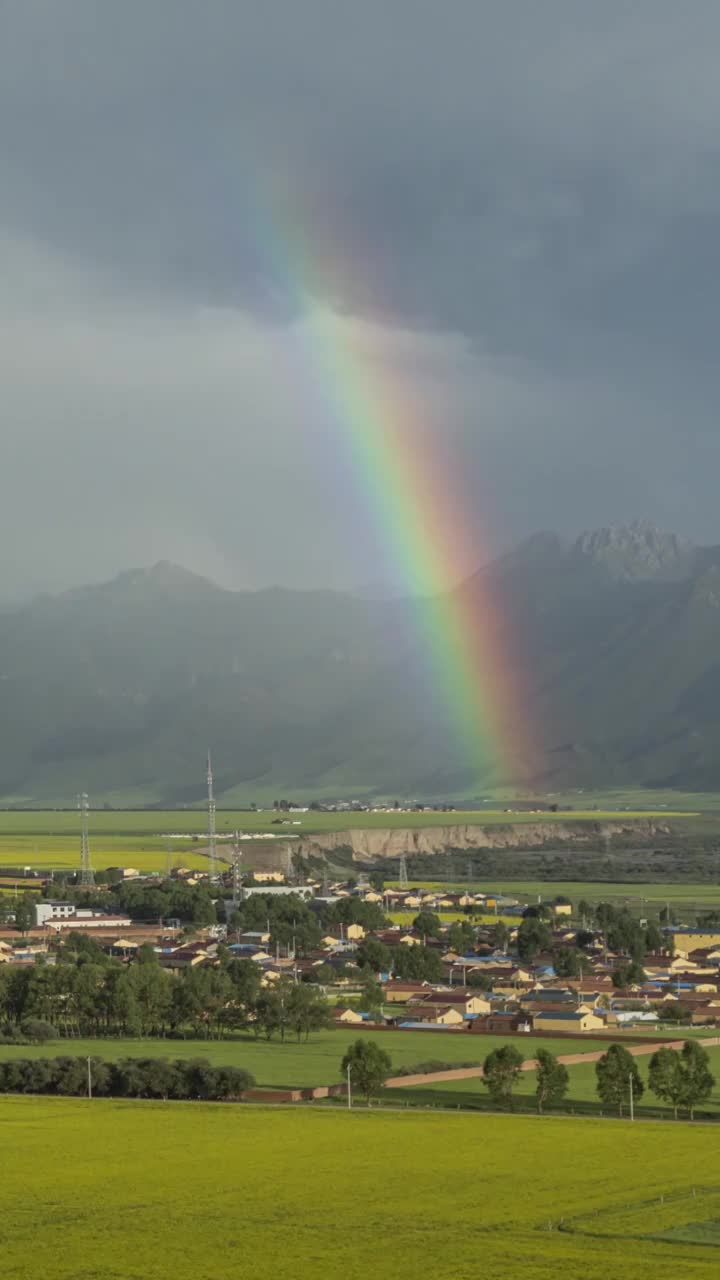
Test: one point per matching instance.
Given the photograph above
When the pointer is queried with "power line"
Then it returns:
(403, 873)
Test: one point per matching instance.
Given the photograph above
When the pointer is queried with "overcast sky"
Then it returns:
(514, 209)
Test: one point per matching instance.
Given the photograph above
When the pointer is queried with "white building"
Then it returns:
(65, 915)
(45, 911)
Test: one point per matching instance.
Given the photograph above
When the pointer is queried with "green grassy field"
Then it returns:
(316, 1061)
(686, 1217)
(581, 1095)
(293, 1064)
(144, 1191)
(152, 821)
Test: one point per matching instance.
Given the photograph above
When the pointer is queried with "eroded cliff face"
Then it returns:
(394, 843)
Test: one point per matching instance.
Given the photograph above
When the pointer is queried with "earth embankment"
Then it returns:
(386, 842)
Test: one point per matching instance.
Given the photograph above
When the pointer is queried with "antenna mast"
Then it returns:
(212, 850)
(87, 875)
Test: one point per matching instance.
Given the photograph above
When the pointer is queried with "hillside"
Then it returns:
(118, 688)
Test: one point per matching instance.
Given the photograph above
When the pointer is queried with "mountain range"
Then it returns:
(119, 688)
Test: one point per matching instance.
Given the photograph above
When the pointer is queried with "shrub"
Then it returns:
(129, 1078)
(428, 1068)
(37, 1030)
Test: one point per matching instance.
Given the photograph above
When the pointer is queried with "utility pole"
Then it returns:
(87, 875)
(632, 1100)
(89, 1067)
(212, 850)
(403, 873)
(349, 1088)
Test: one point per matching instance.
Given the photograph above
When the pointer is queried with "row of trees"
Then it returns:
(411, 963)
(87, 993)
(681, 1078)
(620, 931)
(194, 1078)
(502, 1068)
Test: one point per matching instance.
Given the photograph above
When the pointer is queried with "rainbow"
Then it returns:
(406, 482)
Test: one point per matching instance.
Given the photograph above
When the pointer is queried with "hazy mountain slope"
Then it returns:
(120, 687)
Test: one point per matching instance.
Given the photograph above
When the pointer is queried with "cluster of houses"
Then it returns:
(487, 989)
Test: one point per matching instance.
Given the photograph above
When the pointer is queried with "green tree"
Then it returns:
(307, 1010)
(673, 1011)
(371, 998)
(533, 936)
(271, 1014)
(37, 1030)
(369, 1067)
(653, 937)
(479, 980)
(373, 954)
(500, 1073)
(150, 987)
(461, 937)
(568, 962)
(377, 880)
(500, 936)
(24, 913)
(628, 974)
(162, 1078)
(427, 924)
(538, 911)
(417, 964)
(605, 914)
(552, 1079)
(614, 1072)
(664, 1077)
(70, 1075)
(697, 1079)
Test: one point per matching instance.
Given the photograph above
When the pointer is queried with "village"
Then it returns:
(464, 961)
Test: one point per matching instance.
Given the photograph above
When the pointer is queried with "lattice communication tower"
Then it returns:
(212, 843)
(87, 875)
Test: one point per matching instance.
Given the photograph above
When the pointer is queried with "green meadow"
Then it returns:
(151, 821)
(581, 1097)
(304, 1063)
(108, 1190)
(316, 1062)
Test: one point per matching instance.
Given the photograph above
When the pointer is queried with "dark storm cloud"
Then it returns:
(521, 200)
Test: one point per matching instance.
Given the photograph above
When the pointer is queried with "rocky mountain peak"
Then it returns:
(637, 551)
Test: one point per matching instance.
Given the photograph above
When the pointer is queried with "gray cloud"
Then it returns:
(513, 207)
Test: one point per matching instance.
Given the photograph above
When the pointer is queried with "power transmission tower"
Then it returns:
(212, 850)
(290, 875)
(236, 871)
(87, 875)
(403, 873)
